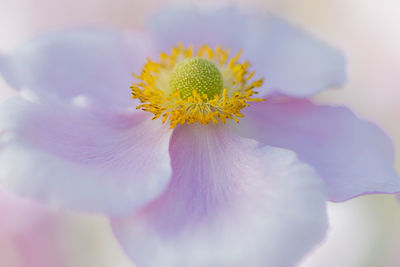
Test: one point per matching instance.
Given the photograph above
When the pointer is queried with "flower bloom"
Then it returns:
(184, 183)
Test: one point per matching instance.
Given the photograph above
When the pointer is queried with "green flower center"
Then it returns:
(197, 74)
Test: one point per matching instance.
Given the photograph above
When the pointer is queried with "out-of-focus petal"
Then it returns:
(79, 158)
(32, 232)
(32, 235)
(192, 26)
(230, 203)
(291, 61)
(95, 63)
(352, 156)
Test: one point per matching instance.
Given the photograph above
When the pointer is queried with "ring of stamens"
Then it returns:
(157, 96)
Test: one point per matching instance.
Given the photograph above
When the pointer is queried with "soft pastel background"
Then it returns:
(364, 231)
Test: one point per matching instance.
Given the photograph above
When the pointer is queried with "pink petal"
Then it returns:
(32, 235)
(352, 156)
(230, 203)
(80, 158)
(94, 63)
(31, 230)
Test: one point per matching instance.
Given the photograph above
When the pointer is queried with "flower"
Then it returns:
(198, 189)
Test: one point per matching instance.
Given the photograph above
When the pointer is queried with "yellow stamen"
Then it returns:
(189, 87)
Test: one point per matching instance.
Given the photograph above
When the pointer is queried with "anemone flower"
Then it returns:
(196, 169)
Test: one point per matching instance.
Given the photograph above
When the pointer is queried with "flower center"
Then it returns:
(188, 87)
(197, 74)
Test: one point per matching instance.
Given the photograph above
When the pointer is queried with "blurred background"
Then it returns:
(364, 231)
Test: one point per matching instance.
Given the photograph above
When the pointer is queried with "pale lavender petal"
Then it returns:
(352, 156)
(67, 64)
(189, 25)
(290, 60)
(230, 203)
(76, 157)
(293, 62)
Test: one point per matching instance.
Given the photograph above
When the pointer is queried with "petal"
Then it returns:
(189, 25)
(353, 157)
(291, 61)
(94, 63)
(79, 158)
(230, 203)
(29, 232)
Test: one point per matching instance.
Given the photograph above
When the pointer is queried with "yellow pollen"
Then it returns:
(205, 86)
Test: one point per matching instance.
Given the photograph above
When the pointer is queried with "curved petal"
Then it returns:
(352, 156)
(67, 64)
(80, 158)
(230, 203)
(291, 61)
